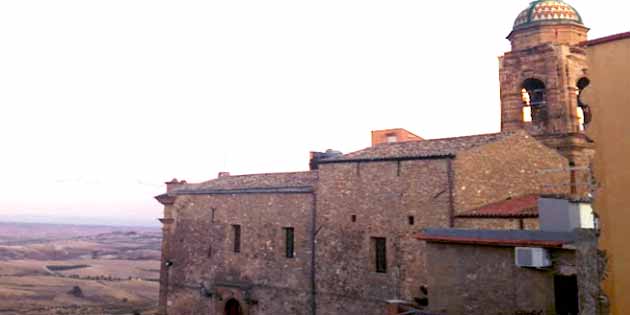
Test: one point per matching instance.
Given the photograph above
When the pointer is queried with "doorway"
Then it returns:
(232, 307)
(566, 292)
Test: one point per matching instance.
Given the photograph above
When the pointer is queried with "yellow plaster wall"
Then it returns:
(609, 98)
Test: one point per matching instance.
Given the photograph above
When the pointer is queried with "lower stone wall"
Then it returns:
(259, 300)
(332, 304)
(469, 279)
(497, 223)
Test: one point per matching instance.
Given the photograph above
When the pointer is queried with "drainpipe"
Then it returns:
(313, 253)
(451, 198)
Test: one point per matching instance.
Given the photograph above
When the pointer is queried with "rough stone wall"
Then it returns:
(202, 250)
(589, 273)
(532, 224)
(542, 34)
(166, 237)
(497, 223)
(469, 279)
(489, 223)
(382, 196)
(512, 167)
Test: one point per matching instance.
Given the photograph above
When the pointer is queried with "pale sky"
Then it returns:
(103, 101)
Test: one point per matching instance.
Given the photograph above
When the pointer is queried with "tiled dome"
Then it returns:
(547, 11)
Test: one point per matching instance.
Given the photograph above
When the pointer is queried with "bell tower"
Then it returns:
(542, 78)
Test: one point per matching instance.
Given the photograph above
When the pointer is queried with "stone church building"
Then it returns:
(339, 238)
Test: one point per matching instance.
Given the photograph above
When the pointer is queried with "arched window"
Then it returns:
(232, 307)
(533, 96)
(583, 110)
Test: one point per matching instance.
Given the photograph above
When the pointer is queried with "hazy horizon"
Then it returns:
(77, 220)
(104, 101)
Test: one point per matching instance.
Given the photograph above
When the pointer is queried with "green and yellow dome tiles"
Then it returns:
(547, 12)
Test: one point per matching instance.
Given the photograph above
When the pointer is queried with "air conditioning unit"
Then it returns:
(532, 257)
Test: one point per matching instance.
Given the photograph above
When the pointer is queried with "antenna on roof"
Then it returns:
(581, 182)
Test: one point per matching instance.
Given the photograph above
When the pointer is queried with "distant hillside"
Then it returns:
(50, 269)
(10, 231)
(65, 242)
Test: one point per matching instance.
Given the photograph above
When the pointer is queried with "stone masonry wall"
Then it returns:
(497, 223)
(202, 250)
(512, 167)
(488, 223)
(473, 279)
(382, 196)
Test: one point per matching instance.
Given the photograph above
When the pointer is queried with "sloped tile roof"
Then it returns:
(509, 238)
(254, 182)
(420, 149)
(520, 207)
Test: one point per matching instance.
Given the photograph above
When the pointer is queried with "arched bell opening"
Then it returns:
(583, 110)
(534, 102)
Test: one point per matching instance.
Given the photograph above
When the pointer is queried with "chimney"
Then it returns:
(315, 157)
(223, 174)
(174, 183)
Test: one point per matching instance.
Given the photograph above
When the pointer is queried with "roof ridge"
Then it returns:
(271, 173)
(256, 174)
(443, 139)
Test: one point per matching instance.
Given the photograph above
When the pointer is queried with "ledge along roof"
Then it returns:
(508, 238)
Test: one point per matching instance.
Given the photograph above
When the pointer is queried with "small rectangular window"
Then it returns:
(411, 220)
(353, 218)
(380, 253)
(237, 238)
(289, 242)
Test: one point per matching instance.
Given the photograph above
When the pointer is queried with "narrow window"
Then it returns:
(212, 210)
(289, 242)
(380, 254)
(411, 219)
(237, 238)
(391, 138)
(353, 218)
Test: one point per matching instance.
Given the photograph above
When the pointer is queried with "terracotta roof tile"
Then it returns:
(421, 149)
(519, 207)
(255, 181)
